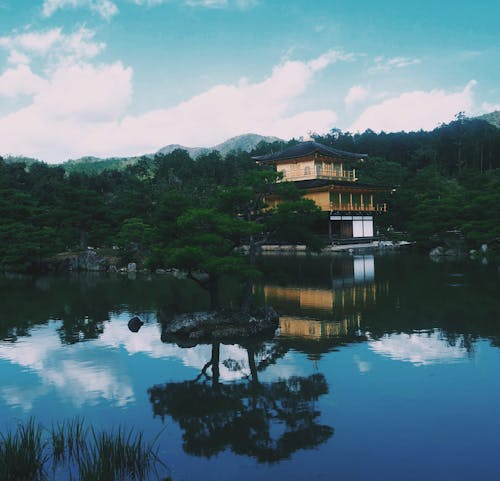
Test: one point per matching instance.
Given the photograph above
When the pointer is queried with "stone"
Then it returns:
(221, 325)
(135, 324)
(437, 252)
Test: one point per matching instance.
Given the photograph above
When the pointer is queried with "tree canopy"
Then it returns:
(196, 214)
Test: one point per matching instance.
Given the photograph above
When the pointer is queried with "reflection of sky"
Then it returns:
(419, 348)
(92, 371)
(74, 371)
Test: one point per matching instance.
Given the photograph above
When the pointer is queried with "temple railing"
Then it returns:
(321, 172)
(358, 207)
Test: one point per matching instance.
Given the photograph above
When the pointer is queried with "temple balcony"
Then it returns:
(325, 171)
(336, 207)
(357, 207)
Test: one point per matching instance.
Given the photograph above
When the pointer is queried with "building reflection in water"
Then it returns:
(324, 312)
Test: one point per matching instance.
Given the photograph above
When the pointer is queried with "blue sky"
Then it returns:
(126, 77)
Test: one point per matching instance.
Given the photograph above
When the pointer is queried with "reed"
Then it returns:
(78, 453)
(119, 455)
(23, 453)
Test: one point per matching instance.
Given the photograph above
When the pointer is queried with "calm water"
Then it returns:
(384, 368)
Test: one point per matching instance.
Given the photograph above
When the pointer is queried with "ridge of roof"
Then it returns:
(306, 148)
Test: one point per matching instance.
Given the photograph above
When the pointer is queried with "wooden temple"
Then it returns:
(328, 177)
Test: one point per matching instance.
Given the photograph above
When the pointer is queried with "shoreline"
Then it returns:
(302, 249)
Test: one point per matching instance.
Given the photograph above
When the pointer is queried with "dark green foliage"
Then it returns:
(447, 179)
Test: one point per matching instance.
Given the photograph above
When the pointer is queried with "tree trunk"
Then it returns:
(213, 290)
(215, 365)
(246, 303)
(253, 367)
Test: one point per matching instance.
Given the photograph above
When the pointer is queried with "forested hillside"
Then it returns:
(447, 179)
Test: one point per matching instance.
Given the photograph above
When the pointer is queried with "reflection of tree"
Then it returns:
(268, 421)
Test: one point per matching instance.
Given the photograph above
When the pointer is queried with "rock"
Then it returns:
(135, 324)
(132, 267)
(91, 261)
(437, 252)
(208, 326)
(160, 271)
(177, 273)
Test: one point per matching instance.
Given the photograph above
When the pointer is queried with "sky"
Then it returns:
(127, 77)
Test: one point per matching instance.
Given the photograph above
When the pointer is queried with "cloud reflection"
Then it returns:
(419, 348)
(86, 373)
(75, 371)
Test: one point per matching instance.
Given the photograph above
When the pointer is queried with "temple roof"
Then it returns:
(307, 148)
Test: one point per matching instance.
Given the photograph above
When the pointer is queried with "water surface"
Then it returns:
(383, 368)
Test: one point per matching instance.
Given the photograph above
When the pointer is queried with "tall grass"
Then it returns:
(68, 439)
(70, 450)
(23, 453)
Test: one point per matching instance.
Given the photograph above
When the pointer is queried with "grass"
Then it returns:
(23, 453)
(71, 450)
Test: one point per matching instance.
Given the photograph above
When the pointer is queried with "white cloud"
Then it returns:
(386, 64)
(52, 45)
(87, 93)
(242, 4)
(66, 116)
(20, 81)
(415, 110)
(32, 42)
(81, 112)
(487, 107)
(17, 57)
(356, 94)
(105, 8)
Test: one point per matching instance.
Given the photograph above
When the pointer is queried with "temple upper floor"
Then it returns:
(311, 160)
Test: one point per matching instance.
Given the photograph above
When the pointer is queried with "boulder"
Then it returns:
(135, 324)
(89, 260)
(221, 325)
(437, 252)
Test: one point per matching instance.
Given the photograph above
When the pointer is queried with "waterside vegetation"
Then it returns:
(72, 450)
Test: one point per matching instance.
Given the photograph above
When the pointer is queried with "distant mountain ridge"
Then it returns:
(94, 165)
(245, 142)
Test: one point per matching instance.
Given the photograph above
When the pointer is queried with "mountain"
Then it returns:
(95, 165)
(493, 118)
(245, 142)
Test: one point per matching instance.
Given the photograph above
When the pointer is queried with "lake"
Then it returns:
(384, 367)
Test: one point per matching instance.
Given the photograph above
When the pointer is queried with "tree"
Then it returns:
(212, 240)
